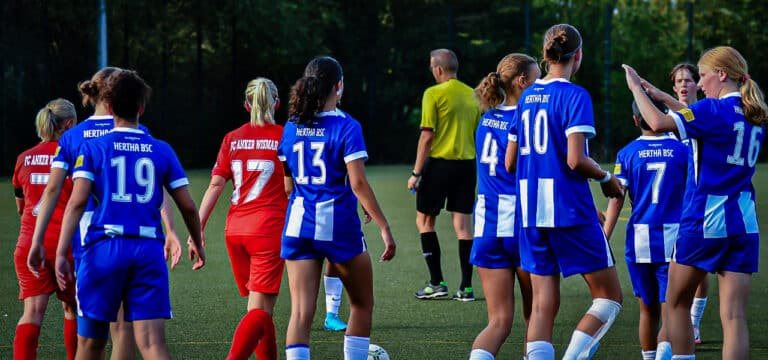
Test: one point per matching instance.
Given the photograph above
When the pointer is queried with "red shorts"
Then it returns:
(30, 286)
(256, 263)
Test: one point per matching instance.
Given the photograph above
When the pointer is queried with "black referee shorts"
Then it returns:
(451, 180)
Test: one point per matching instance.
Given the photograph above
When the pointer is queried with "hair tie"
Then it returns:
(745, 77)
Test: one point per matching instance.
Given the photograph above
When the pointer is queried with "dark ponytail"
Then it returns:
(309, 94)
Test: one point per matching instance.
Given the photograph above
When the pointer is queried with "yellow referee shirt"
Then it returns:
(452, 111)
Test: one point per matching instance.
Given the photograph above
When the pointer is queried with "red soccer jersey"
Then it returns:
(31, 173)
(248, 157)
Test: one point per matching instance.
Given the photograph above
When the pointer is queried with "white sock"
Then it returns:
(333, 287)
(297, 352)
(480, 354)
(356, 347)
(540, 350)
(664, 351)
(649, 355)
(697, 310)
(683, 357)
(580, 342)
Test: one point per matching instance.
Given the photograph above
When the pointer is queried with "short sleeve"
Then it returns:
(60, 158)
(16, 180)
(222, 167)
(698, 119)
(176, 177)
(580, 117)
(620, 168)
(354, 144)
(428, 111)
(85, 163)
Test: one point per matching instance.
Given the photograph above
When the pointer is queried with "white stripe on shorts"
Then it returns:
(523, 191)
(714, 217)
(747, 207)
(642, 243)
(295, 218)
(670, 237)
(545, 203)
(506, 212)
(479, 215)
(324, 221)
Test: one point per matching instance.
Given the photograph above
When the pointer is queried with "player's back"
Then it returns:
(551, 194)
(129, 169)
(653, 168)
(317, 154)
(31, 174)
(69, 144)
(248, 157)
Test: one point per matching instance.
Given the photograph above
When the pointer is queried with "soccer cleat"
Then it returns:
(464, 295)
(333, 323)
(696, 336)
(432, 291)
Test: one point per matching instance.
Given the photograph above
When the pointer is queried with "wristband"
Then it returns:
(606, 179)
(414, 174)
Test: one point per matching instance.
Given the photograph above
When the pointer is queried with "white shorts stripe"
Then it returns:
(148, 232)
(324, 221)
(642, 243)
(479, 215)
(506, 211)
(523, 192)
(545, 203)
(670, 237)
(295, 217)
(714, 217)
(747, 207)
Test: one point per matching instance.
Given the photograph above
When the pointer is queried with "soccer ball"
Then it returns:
(376, 352)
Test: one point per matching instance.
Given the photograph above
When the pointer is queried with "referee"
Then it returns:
(445, 163)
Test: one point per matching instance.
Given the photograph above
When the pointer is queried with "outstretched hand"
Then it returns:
(196, 252)
(633, 80)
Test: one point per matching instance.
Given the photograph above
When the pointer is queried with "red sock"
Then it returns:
(248, 333)
(25, 341)
(70, 337)
(267, 347)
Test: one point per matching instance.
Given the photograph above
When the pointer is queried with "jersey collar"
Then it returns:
(731, 94)
(99, 117)
(506, 107)
(334, 112)
(127, 130)
(660, 137)
(545, 82)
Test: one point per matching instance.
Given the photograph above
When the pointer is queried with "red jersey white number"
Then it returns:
(33, 168)
(248, 157)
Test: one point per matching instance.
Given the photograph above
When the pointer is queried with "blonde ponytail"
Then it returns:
(755, 109)
(261, 94)
(50, 120)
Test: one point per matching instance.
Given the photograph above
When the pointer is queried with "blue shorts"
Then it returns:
(649, 281)
(571, 250)
(131, 271)
(495, 252)
(739, 253)
(336, 251)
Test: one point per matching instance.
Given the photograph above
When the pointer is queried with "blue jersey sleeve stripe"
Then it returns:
(356, 155)
(586, 129)
(60, 165)
(512, 137)
(83, 174)
(179, 183)
(680, 125)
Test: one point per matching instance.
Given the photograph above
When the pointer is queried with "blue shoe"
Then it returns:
(333, 323)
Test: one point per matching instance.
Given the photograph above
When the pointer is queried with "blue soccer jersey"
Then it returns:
(495, 206)
(719, 198)
(551, 194)
(129, 170)
(653, 169)
(322, 206)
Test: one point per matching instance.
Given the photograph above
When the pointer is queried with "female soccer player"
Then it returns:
(64, 161)
(653, 168)
(248, 157)
(122, 256)
(718, 228)
(324, 150)
(495, 249)
(30, 175)
(561, 231)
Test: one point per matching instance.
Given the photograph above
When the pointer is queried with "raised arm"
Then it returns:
(657, 120)
(364, 193)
